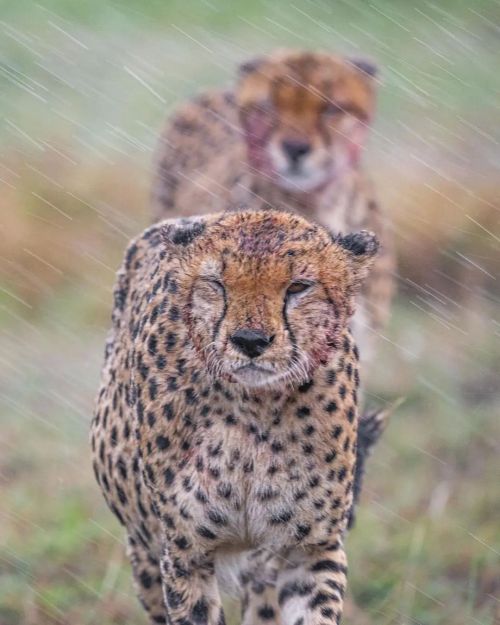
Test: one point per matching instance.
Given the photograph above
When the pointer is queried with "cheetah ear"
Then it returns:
(361, 248)
(250, 66)
(368, 67)
(182, 233)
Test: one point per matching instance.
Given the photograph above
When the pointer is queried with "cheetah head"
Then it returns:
(265, 294)
(305, 116)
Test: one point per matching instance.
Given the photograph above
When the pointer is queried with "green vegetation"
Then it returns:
(84, 88)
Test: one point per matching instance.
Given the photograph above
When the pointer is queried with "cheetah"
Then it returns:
(289, 136)
(225, 431)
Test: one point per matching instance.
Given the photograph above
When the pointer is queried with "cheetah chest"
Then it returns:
(249, 485)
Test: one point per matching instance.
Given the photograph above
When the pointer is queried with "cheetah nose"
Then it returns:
(295, 149)
(252, 343)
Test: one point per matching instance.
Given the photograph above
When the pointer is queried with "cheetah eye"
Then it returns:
(215, 284)
(333, 109)
(298, 287)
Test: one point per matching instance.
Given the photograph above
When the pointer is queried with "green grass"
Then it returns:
(427, 543)
(84, 88)
(87, 67)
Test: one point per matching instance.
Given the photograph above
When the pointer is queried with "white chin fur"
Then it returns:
(301, 182)
(257, 379)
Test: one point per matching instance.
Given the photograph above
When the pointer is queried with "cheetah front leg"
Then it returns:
(148, 582)
(260, 604)
(190, 588)
(260, 600)
(312, 584)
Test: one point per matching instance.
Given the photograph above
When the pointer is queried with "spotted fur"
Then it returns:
(231, 469)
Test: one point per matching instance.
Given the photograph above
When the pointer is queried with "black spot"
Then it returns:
(122, 468)
(334, 585)
(169, 522)
(116, 512)
(121, 495)
(337, 431)
(314, 481)
(146, 579)
(281, 517)
(328, 565)
(347, 345)
(351, 414)
(153, 389)
(320, 598)
(171, 341)
(224, 489)
(303, 412)
(162, 442)
(182, 542)
(302, 531)
(214, 472)
(222, 620)
(190, 396)
(294, 589)
(168, 412)
(152, 344)
(199, 612)
(174, 314)
(306, 386)
(216, 517)
(174, 599)
(169, 476)
(150, 473)
(266, 493)
(331, 377)
(330, 456)
(331, 407)
(140, 412)
(205, 532)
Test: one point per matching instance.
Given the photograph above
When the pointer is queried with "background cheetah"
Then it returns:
(224, 437)
(289, 137)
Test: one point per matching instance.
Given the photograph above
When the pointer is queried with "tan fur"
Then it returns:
(214, 156)
(228, 469)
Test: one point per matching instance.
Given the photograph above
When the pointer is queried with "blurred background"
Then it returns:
(84, 89)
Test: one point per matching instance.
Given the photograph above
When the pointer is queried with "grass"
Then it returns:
(84, 88)
(426, 546)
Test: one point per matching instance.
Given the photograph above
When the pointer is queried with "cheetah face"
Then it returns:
(266, 294)
(305, 116)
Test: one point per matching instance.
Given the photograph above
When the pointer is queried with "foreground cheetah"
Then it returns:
(289, 137)
(225, 432)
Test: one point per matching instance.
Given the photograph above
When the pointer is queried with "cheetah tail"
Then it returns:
(370, 428)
